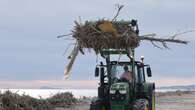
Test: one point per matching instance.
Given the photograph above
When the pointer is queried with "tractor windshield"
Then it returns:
(118, 70)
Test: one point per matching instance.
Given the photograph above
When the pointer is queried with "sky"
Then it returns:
(30, 50)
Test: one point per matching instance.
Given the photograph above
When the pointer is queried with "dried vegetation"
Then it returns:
(13, 101)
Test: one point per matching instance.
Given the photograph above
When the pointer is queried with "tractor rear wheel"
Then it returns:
(96, 105)
(141, 104)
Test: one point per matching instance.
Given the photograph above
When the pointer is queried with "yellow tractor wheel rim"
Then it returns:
(103, 108)
(146, 107)
(153, 102)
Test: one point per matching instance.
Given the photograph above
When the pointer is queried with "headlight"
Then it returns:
(122, 91)
(112, 91)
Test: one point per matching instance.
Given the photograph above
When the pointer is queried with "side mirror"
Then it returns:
(149, 72)
(102, 71)
(97, 71)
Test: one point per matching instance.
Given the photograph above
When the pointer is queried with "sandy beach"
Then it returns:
(164, 101)
(179, 100)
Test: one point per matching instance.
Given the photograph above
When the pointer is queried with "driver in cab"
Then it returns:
(127, 75)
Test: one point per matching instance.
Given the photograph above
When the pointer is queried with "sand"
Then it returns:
(164, 101)
(185, 101)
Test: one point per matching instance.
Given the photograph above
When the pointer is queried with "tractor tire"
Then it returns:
(141, 104)
(95, 105)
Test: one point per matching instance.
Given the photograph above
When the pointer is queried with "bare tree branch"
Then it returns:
(161, 40)
(148, 35)
(181, 33)
(60, 36)
(118, 11)
(67, 48)
(165, 45)
(155, 45)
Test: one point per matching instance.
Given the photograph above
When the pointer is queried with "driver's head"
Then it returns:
(126, 68)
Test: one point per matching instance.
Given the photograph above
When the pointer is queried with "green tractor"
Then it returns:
(115, 93)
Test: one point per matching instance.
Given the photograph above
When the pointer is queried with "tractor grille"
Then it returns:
(117, 96)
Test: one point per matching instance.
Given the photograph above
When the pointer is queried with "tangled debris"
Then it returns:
(63, 100)
(111, 34)
(103, 34)
(13, 101)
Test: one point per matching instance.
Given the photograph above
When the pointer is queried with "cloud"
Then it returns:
(30, 50)
(36, 84)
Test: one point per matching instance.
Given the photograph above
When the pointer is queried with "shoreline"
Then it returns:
(78, 93)
(66, 101)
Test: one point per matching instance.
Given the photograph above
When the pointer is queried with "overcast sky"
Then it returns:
(29, 49)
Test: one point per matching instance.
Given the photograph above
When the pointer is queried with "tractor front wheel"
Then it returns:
(141, 104)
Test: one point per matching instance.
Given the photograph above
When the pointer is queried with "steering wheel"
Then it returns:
(123, 80)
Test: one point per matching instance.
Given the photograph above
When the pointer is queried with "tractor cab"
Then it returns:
(138, 71)
(122, 83)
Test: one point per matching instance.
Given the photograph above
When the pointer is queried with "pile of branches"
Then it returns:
(13, 101)
(64, 100)
(104, 34)
(112, 34)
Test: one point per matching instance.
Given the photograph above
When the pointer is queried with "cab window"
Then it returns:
(141, 74)
(118, 70)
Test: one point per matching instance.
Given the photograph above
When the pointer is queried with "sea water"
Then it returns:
(45, 93)
(78, 93)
